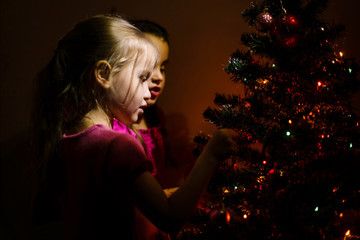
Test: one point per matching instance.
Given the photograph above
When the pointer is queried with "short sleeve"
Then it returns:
(126, 158)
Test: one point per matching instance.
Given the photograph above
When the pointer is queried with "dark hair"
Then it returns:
(66, 87)
(147, 26)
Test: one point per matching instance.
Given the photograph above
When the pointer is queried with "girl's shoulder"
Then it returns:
(100, 134)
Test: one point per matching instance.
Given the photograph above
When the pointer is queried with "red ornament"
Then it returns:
(219, 216)
(286, 30)
(263, 22)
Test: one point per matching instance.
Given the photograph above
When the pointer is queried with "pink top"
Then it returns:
(94, 184)
(153, 144)
(154, 148)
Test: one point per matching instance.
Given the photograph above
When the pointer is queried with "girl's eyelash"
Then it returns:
(144, 77)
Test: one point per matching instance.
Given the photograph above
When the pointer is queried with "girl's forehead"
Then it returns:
(149, 56)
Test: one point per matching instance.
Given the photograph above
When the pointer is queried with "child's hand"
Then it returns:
(222, 144)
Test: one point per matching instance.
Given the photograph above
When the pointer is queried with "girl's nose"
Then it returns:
(147, 94)
(157, 77)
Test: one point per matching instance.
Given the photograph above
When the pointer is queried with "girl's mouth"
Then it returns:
(155, 91)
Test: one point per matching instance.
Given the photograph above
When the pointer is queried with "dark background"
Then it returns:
(202, 34)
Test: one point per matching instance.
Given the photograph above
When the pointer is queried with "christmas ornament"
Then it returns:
(286, 30)
(263, 22)
(219, 216)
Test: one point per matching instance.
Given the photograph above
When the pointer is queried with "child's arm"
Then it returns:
(169, 214)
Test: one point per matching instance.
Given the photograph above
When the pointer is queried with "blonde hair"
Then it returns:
(66, 87)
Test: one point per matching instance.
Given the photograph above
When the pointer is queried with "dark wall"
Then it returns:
(203, 34)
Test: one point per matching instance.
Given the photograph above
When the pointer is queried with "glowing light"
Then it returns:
(288, 133)
(350, 70)
(227, 217)
(322, 29)
(322, 136)
(264, 162)
(335, 189)
(347, 233)
(235, 187)
(351, 145)
(226, 191)
(265, 81)
(319, 84)
(290, 122)
(341, 54)
(245, 216)
(341, 215)
(316, 209)
(273, 65)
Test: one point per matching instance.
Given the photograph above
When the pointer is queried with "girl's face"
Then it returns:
(157, 79)
(129, 90)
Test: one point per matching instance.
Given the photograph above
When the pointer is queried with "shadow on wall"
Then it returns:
(17, 181)
(179, 149)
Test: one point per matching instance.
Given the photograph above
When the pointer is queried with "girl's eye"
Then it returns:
(144, 78)
(162, 69)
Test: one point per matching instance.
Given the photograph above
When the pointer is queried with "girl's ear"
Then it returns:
(102, 73)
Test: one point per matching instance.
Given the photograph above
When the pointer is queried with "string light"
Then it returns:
(347, 234)
(227, 217)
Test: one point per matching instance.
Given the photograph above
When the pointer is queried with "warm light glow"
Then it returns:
(341, 54)
(288, 133)
(322, 136)
(245, 216)
(290, 121)
(319, 84)
(227, 217)
(341, 215)
(226, 191)
(264, 162)
(347, 233)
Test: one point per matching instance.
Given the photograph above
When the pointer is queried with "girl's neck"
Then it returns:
(141, 124)
(94, 117)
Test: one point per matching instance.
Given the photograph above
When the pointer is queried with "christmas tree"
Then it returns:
(296, 176)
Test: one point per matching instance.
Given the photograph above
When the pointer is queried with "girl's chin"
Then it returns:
(151, 102)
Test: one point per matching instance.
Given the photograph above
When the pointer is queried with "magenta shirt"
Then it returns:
(97, 166)
(153, 144)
